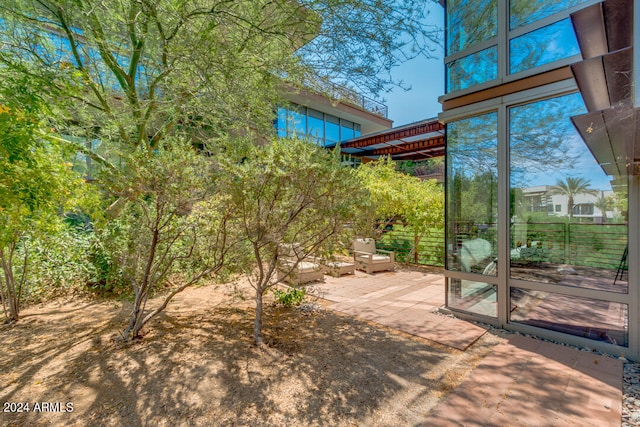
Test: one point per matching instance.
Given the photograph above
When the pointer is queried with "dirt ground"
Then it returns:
(197, 366)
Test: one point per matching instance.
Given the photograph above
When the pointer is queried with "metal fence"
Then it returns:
(592, 245)
(410, 247)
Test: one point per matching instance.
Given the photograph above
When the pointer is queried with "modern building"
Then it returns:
(329, 117)
(538, 92)
(597, 206)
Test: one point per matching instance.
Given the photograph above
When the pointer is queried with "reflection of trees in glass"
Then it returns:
(473, 69)
(541, 137)
(472, 169)
(472, 145)
(522, 12)
(570, 187)
(474, 200)
(469, 23)
(542, 46)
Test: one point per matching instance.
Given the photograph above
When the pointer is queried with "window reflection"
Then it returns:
(473, 297)
(332, 129)
(281, 122)
(583, 317)
(473, 69)
(472, 194)
(298, 122)
(347, 130)
(316, 125)
(567, 223)
(547, 44)
(324, 129)
(470, 22)
(523, 12)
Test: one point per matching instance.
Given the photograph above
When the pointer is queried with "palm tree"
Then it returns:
(570, 187)
(604, 204)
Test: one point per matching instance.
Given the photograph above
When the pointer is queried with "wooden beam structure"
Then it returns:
(415, 141)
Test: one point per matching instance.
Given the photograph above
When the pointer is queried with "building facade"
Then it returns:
(327, 118)
(521, 112)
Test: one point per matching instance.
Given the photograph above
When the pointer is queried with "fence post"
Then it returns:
(567, 243)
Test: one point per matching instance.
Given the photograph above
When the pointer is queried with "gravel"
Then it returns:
(631, 395)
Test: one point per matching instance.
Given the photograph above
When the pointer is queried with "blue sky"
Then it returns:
(426, 78)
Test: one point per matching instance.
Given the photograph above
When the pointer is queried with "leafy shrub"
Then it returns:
(57, 263)
(289, 297)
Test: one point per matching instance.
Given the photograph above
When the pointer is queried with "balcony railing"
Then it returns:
(350, 96)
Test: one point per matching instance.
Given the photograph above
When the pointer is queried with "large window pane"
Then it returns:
(523, 12)
(316, 125)
(568, 225)
(281, 122)
(472, 202)
(346, 128)
(332, 131)
(470, 22)
(472, 70)
(583, 317)
(471, 296)
(547, 44)
(298, 122)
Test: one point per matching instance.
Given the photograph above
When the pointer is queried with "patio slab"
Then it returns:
(522, 381)
(404, 300)
(536, 383)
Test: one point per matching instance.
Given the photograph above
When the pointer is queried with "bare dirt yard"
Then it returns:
(197, 366)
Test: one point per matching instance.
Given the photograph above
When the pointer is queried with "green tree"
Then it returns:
(604, 204)
(172, 232)
(396, 196)
(36, 183)
(286, 193)
(134, 71)
(570, 187)
(143, 76)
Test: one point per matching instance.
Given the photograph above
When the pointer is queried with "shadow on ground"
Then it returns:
(197, 366)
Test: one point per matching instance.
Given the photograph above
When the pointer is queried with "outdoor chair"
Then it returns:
(367, 258)
(308, 269)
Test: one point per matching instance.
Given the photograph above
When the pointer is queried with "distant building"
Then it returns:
(542, 198)
(329, 119)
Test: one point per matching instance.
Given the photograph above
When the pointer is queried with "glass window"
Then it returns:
(473, 69)
(332, 130)
(357, 129)
(346, 127)
(281, 122)
(574, 245)
(523, 12)
(472, 203)
(547, 44)
(316, 125)
(583, 317)
(470, 22)
(298, 121)
(471, 296)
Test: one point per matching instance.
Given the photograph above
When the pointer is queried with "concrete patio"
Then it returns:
(522, 382)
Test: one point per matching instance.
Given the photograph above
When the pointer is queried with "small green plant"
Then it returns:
(289, 297)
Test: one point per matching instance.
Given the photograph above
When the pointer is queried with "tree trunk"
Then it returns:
(137, 315)
(134, 327)
(257, 324)
(13, 301)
